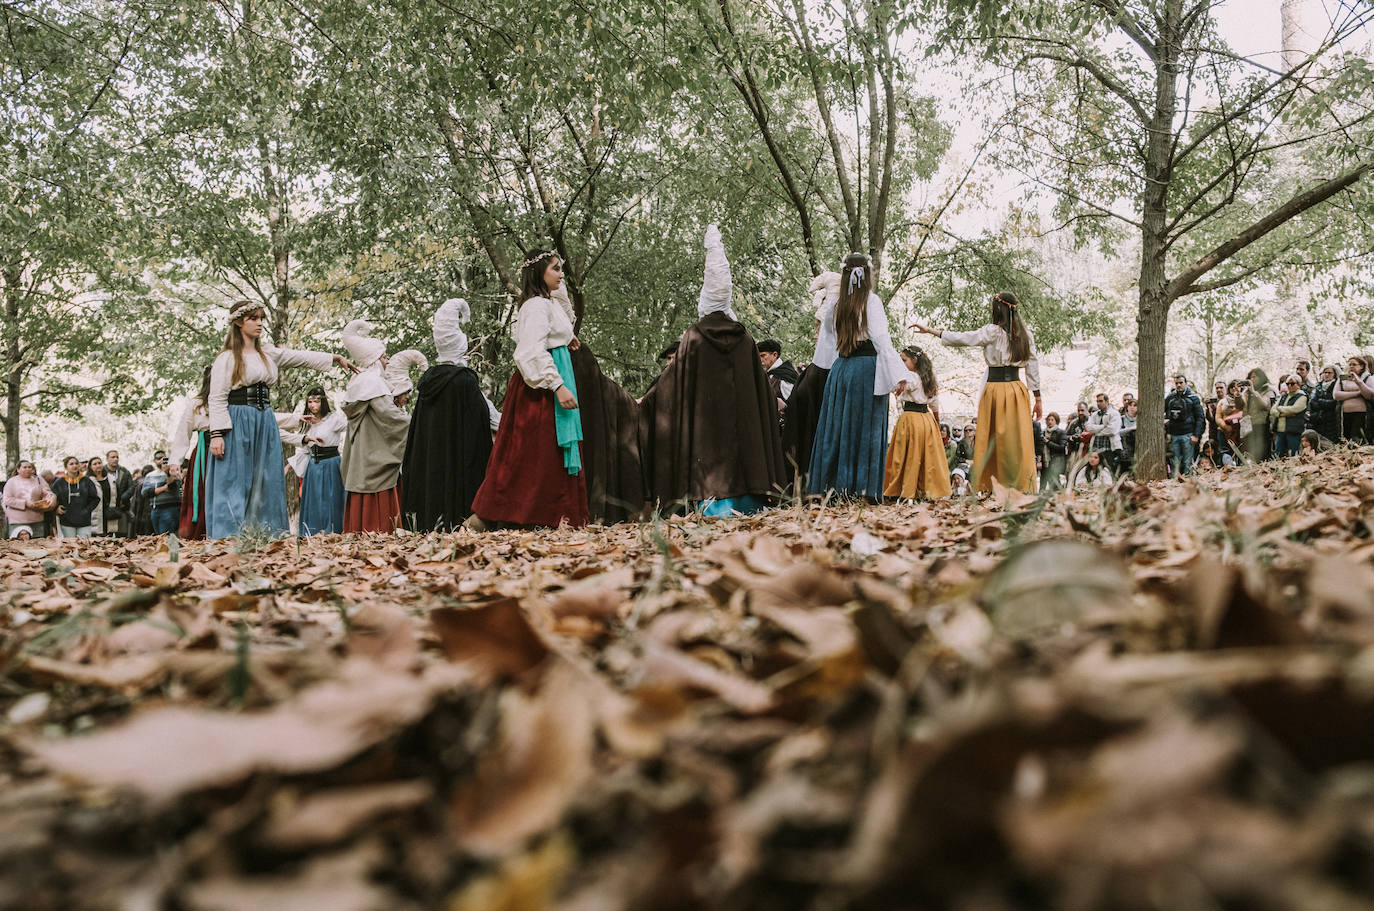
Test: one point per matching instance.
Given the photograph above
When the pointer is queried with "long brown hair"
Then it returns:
(924, 368)
(234, 342)
(532, 274)
(203, 396)
(1005, 313)
(851, 311)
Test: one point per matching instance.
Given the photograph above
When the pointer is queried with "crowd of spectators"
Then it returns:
(1243, 420)
(95, 498)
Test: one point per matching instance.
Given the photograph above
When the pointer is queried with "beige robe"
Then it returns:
(376, 442)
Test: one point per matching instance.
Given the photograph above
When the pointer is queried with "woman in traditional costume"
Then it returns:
(1004, 448)
(317, 463)
(535, 474)
(190, 447)
(916, 464)
(854, 344)
(244, 485)
(377, 428)
(449, 441)
(804, 405)
(710, 424)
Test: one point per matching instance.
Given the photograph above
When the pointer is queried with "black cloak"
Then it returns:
(799, 422)
(447, 448)
(709, 426)
(610, 442)
(782, 372)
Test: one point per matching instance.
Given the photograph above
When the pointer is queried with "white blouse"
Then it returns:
(915, 391)
(890, 368)
(997, 349)
(542, 325)
(194, 418)
(329, 431)
(255, 371)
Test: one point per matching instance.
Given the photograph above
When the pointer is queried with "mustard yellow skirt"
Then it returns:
(1003, 448)
(916, 465)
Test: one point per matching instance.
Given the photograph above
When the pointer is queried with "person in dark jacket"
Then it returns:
(1184, 424)
(124, 488)
(77, 499)
(1057, 447)
(782, 376)
(1288, 416)
(1323, 411)
(162, 486)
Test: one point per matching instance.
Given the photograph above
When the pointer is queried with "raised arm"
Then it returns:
(890, 369)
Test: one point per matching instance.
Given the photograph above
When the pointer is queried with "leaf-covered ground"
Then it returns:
(1159, 697)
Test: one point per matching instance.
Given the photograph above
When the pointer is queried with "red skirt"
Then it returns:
(380, 511)
(526, 483)
(191, 526)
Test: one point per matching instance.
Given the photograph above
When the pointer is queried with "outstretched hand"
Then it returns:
(923, 329)
(345, 363)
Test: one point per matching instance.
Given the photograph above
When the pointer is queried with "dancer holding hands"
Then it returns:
(1003, 448)
(916, 463)
(244, 487)
(855, 346)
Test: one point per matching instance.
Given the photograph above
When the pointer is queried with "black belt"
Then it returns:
(320, 453)
(1004, 374)
(864, 348)
(918, 407)
(259, 396)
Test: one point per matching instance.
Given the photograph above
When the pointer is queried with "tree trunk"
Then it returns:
(1152, 318)
(281, 251)
(14, 380)
(1151, 325)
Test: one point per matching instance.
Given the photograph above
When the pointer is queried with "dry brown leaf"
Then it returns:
(524, 784)
(496, 638)
(197, 749)
(664, 666)
(329, 816)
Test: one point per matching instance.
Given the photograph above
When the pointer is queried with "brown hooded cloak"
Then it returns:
(710, 424)
(610, 442)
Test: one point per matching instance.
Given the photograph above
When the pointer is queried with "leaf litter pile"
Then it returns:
(1160, 696)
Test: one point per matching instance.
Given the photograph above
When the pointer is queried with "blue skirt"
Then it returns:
(246, 489)
(322, 498)
(851, 435)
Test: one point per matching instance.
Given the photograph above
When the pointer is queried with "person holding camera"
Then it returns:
(1355, 391)
(163, 487)
(27, 497)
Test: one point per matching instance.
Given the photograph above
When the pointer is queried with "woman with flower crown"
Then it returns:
(916, 463)
(1003, 448)
(244, 486)
(854, 344)
(535, 475)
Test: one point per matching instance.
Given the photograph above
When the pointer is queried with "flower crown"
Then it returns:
(242, 308)
(1002, 300)
(537, 258)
